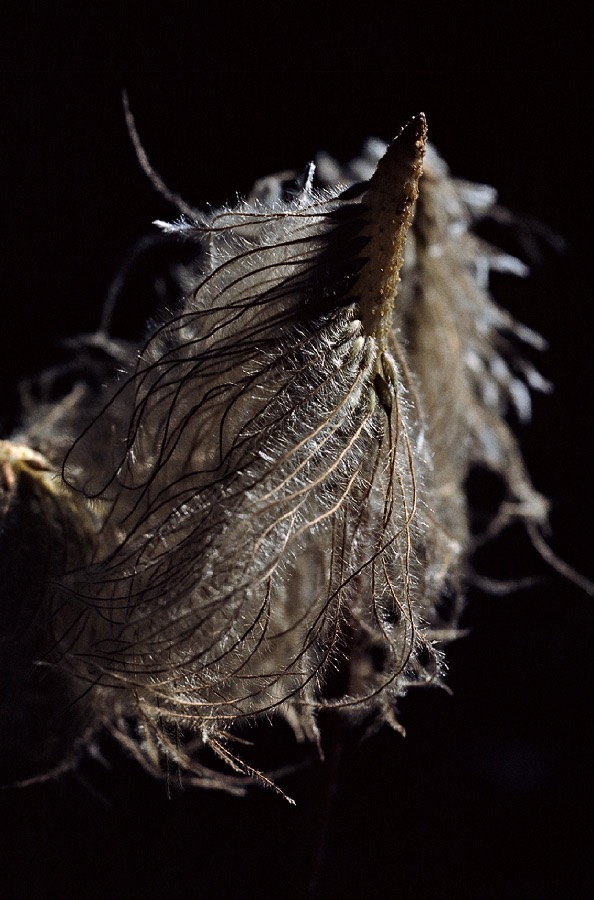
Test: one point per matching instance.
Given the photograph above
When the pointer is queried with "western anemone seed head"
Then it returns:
(270, 508)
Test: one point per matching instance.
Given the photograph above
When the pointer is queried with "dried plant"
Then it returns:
(265, 514)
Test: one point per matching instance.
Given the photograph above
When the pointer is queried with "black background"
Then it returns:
(490, 794)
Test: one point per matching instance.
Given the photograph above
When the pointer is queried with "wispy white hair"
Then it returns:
(266, 515)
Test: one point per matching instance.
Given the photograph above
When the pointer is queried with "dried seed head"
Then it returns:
(276, 488)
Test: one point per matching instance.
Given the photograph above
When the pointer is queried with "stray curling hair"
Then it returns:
(264, 515)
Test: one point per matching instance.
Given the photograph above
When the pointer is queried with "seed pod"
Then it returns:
(277, 484)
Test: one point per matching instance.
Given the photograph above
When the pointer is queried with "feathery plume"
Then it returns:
(266, 515)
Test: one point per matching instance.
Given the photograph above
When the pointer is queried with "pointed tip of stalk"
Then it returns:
(390, 200)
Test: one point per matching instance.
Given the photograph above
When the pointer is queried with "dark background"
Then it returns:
(490, 794)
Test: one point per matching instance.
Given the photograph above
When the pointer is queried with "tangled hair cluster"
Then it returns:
(265, 513)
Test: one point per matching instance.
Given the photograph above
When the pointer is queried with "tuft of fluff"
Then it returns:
(273, 494)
